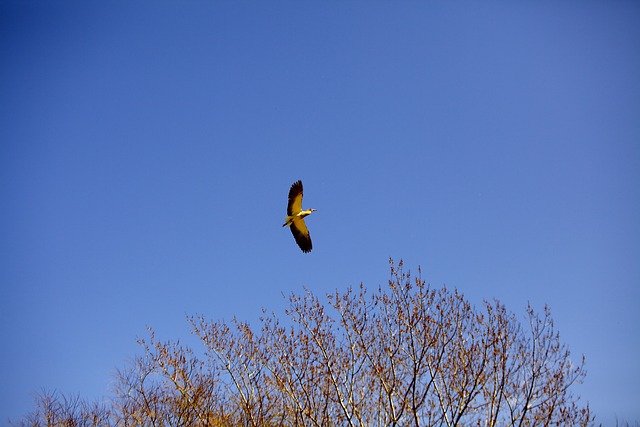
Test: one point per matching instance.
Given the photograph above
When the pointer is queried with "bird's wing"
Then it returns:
(295, 199)
(301, 234)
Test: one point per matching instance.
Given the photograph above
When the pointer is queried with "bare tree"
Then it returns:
(404, 355)
(56, 409)
(168, 386)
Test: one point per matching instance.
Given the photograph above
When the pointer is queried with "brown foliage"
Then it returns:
(403, 355)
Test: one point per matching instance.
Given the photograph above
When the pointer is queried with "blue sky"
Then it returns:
(147, 148)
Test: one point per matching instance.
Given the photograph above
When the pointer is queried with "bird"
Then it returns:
(295, 217)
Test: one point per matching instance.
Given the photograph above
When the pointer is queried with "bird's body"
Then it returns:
(295, 217)
(300, 215)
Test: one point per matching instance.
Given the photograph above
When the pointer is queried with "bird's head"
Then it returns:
(313, 210)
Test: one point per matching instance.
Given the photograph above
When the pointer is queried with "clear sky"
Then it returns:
(147, 148)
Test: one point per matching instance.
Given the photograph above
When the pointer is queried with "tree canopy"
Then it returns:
(405, 354)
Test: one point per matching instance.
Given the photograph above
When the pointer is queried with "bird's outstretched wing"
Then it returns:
(295, 201)
(301, 232)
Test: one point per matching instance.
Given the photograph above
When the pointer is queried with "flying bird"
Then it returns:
(295, 217)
